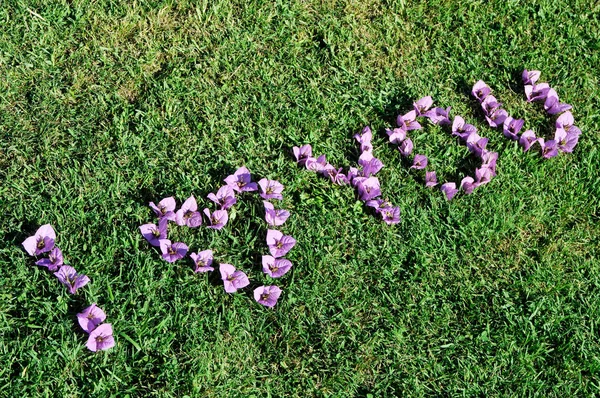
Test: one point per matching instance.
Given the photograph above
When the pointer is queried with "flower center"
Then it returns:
(279, 245)
(156, 233)
(269, 190)
(273, 268)
(41, 243)
(264, 296)
(172, 251)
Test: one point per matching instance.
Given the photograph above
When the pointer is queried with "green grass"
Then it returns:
(105, 106)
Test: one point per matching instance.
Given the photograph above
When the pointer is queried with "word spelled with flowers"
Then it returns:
(273, 265)
(44, 241)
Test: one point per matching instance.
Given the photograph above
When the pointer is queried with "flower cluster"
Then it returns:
(44, 241)
(188, 215)
(464, 131)
(362, 178)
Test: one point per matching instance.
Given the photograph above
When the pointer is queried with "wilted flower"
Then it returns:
(497, 118)
(439, 116)
(511, 127)
(54, 260)
(490, 105)
(337, 177)
(565, 121)
(406, 147)
(275, 217)
(302, 154)
(483, 175)
(449, 189)
(430, 179)
(468, 185)
(271, 189)
(489, 159)
(396, 135)
(549, 148)
(552, 105)
(279, 244)
(188, 214)
(317, 164)
(527, 139)
(378, 204)
(172, 252)
(203, 261)
(423, 105)
(165, 208)
(480, 90)
(368, 188)
(217, 219)
(566, 141)
(462, 129)
(391, 215)
(267, 295)
(477, 144)
(240, 181)
(537, 92)
(364, 139)
(232, 279)
(372, 167)
(71, 279)
(419, 162)
(408, 122)
(91, 317)
(101, 338)
(154, 234)
(225, 197)
(530, 77)
(275, 267)
(41, 242)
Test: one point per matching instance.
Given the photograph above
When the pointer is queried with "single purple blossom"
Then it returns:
(241, 181)
(365, 158)
(449, 189)
(379, 204)
(396, 135)
(364, 139)
(91, 317)
(317, 164)
(423, 105)
(54, 260)
(271, 189)
(172, 252)
(225, 197)
(41, 242)
(368, 189)
(439, 116)
(490, 105)
(267, 295)
(339, 178)
(462, 129)
(497, 118)
(511, 127)
(527, 139)
(477, 144)
(217, 219)
(483, 175)
(372, 167)
(353, 172)
(275, 267)
(302, 154)
(537, 92)
(101, 338)
(188, 214)
(480, 90)
(275, 217)
(565, 121)
(530, 77)
(419, 162)
(489, 159)
(552, 105)
(430, 179)
(391, 215)
(406, 147)
(153, 233)
(203, 261)
(232, 279)
(71, 279)
(566, 141)
(165, 208)
(279, 244)
(549, 148)
(408, 121)
(468, 184)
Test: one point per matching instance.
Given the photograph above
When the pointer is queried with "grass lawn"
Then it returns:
(106, 106)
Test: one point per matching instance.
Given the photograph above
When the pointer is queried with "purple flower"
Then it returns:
(406, 147)
(267, 295)
(232, 279)
(477, 144)
(365, 158)
(217, 219)
(527, 139)
(449, 189)
(71, 279)
(172, 252)
(188, 214)
(279, 244)
(54, 260)
(549, 148)
(430, 179)
(368, 189)
(537, 92)
(391, 215)
(275, 267)
(203, 261)
(337, 177)
(490, 105)
(530, 77)
(91, 317)
(552, 105)
(438, 116)
(480, 90)
(240, 181)
(275, 217)
(462, 129)
(468, 185)
(317, 164)
(154, 234)
(378, 204)
(372, 167)
(566, 141)
(302, 154)
(165, 208)
(41, 242)
(483, 175)
(565, 121)
(423, 105)
(497, 118)
(419, 162)
(225, 197)
(101, 338)
(396, 135)
(364, 139)
(511, 127)
(271, 189)
(489, 160)
(408, 122)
